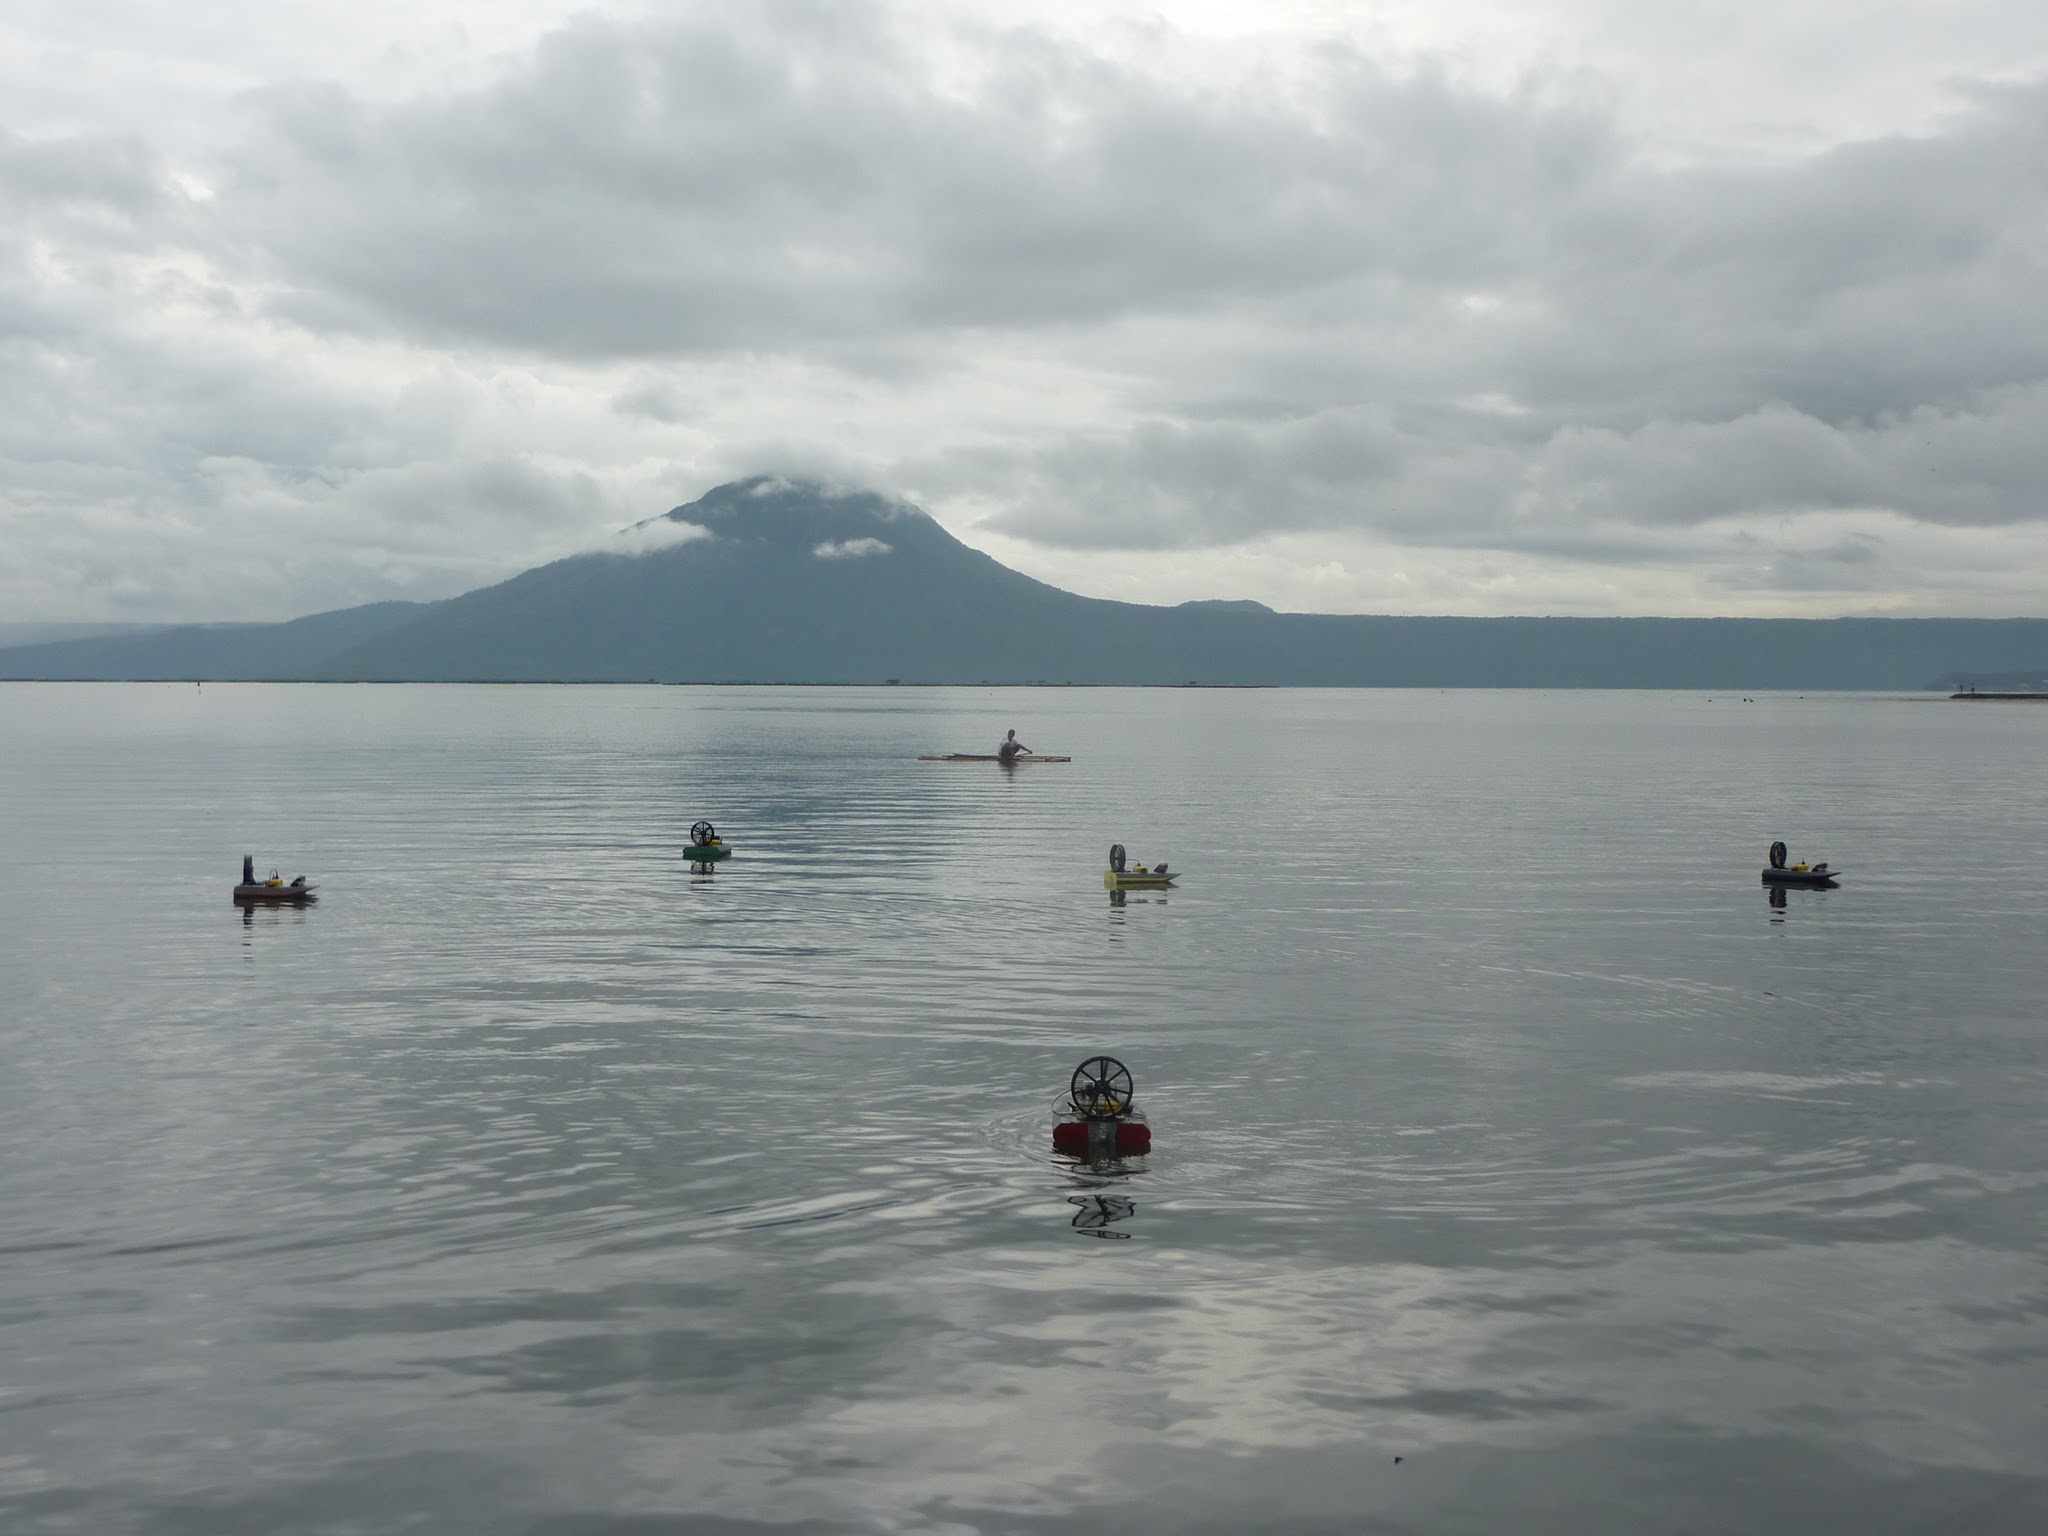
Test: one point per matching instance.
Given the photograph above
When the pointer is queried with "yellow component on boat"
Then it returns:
(1135, 880)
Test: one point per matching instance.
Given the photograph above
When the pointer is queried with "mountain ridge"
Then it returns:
(769, 580)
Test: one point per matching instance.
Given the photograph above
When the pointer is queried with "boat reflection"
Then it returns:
(1094, 1182)
(1778, 897)
(1095, 1214)
(1123, 898)
(257, 916)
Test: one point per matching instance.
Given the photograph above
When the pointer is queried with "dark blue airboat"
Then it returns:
(1778, 872)
(273, 890)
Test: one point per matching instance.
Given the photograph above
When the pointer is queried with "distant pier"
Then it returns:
(2038, 697)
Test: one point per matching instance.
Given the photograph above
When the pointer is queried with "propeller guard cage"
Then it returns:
(1101, 1089)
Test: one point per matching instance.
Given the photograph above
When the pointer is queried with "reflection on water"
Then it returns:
(1096, 1213)
(1778, 897)
(579, 1190)
(256, 914)
(1118, 900)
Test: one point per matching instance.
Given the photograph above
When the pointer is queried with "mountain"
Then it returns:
(769, 581)
(788, 583)
(222, 652)
(15, 632)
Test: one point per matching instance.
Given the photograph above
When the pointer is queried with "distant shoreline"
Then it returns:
(1734, 692)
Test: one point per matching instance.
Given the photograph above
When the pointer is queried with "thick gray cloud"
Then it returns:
(1356, 325)
(783, 179)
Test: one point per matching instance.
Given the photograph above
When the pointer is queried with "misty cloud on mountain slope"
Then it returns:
(652, 536)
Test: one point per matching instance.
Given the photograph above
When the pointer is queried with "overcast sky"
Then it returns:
(1516, 306)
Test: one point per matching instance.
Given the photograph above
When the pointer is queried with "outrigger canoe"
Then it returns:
(990, 757)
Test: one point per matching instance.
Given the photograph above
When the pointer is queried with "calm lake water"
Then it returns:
(1518, 1165)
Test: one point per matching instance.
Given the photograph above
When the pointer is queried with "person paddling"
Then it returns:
(1010, 747)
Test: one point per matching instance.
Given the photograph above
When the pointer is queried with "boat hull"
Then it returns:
(246, 895)
(1135, 882)
(1809, 877)
(708, 853)
(990, 757)
(1101, 1138)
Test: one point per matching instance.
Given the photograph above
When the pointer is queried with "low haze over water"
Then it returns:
(1517, 1164)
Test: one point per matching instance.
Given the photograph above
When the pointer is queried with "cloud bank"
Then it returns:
(1320, 322)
